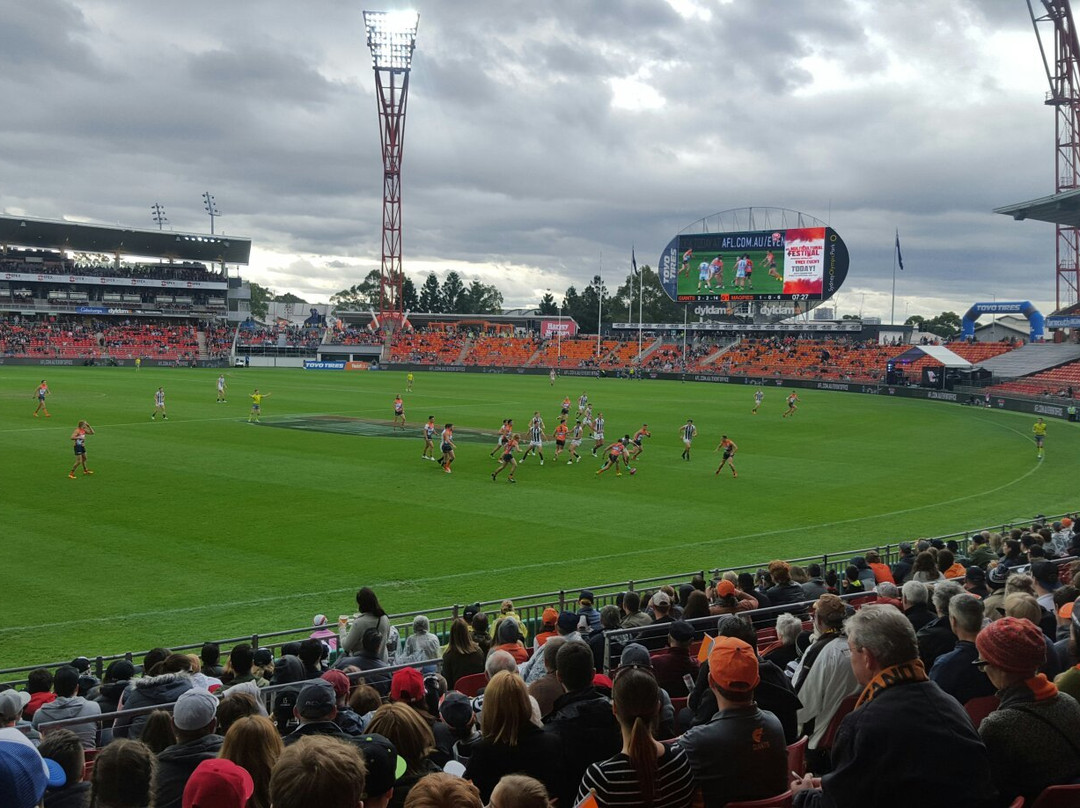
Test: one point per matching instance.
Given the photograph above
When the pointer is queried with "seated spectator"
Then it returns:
(633, 616)
(457, 713)
(996, 580)
(1068, 681)
(370, 660)
(661, 607)
(548, 688)
(347, 719)
(587, 610)
(123, 776)
(901, 721)
(724, 765)
(509, 639)
(511, 742)
(788, 629)
(478, 625)
(890, 594)
(69, 704)
(914, 596)
(949, 566)
(936, 637)
(926, 570)
(548, 620)
(118, 676)
(39, 685)
(1047, 582)
(12, 703)
(697, 605)
(975, 582)
(383, 767)
(322, 632)
(220, 784)
(315, 710)
(981, 553)
(1033, 738)
(813, 588)
(441, 790)
(597, 641)
(519, 791)
(774, 692)
(462, 657)
(414, 741)
(210, 656)
(253, 743)
(1024, 606)
(158, 733)
(506, 612)
(644, 772)
(784, 590)
(904, 565)
(311, 653)
(408, 687)
(882, 573)
(866, 575)
(65, 748)
(194, 723)
(581, 721)
(167, 681)
(729, 600)
(954, 671)
(823, 677)
(421, 645)
(673, 664)
(318, 771)
(851, 583)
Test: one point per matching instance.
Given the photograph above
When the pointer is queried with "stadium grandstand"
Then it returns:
(332, 683)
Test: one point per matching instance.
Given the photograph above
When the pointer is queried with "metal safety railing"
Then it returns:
(528, 607)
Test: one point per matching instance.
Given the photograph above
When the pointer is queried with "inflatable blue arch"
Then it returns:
(1034, 317)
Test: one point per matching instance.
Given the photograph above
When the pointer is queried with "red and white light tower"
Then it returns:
(1063, 72)
(391, 36)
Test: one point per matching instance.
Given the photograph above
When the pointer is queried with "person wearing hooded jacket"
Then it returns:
(167, 681)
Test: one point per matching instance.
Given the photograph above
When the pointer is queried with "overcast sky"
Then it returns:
(544, 139)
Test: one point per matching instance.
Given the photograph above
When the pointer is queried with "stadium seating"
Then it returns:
(501, 351)
(426, 347)
(1062, 382)
(85, 339)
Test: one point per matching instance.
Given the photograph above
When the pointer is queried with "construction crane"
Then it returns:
(1062, 65)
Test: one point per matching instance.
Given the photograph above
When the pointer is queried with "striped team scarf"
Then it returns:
(913, 671)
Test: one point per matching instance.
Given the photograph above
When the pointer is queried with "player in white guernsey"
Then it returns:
(159, 405)
(582, 402)
(221, 387)
(598, 432)
(575, 442)
(758, 396)
(536, 440)
(688, 432)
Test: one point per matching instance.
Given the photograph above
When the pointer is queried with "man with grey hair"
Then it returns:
(500, 661)
(901, 721)
(914, 597)
(936, 637)
(889, 593)
(955, 671)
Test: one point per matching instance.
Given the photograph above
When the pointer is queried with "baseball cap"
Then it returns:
(905, 547)
(456, 709)
(119, 670)
(586, 594)
(194, 709)
(975, 575)
(339, 681)
(568, 621)
(316, 700)
(12, 703)
(550, 616)
(81, 664)
(661, 598)
(724, 588)
(1066, 521)
(384, 765)
(218, 783)
(733, 665)
(681, 631)
(408, 683)
(262, 657)
(24, 773)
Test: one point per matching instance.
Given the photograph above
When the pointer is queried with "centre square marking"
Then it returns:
(373, 428)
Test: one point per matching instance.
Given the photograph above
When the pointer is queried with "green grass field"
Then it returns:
(205, 526)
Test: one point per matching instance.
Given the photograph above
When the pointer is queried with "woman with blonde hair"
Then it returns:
(414, 741)
(442, 790)
(511, 743)
(253, 743)
(645, 772)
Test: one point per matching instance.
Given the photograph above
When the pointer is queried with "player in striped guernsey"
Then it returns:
(688, 432)
(429, 439)
(447, 446)
(598, 432)
(536, 440)
(582, 402)
(159, 405)
(575, 442)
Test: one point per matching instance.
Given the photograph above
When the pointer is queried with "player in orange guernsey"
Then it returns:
(78, 438)
(507, 458)
(729, 448)
(429, 439)
(638, 439)
(504, 434)
(615, 453)
(399, 411)
(42, 391)
(561, 432)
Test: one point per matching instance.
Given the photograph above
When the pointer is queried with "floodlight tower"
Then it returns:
(1062, 66)
(391, 36)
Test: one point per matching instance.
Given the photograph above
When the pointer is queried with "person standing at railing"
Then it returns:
(372, 615)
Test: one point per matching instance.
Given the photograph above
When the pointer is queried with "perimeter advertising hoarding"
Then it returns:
(805, 263)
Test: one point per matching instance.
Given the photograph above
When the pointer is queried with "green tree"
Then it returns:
(594, 301)
(656, 306)
(260, 300)
(409, 299)
(480, 298)
(452, 294)
(430, 299)
(946, 324)
(572, 306)
(547, 305)
(359, 297)
(289, 297)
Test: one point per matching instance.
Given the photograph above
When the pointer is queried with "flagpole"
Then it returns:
(641, 298)
(892, 317)
(599, 303)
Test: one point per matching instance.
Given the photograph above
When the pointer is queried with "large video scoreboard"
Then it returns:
(805, 263)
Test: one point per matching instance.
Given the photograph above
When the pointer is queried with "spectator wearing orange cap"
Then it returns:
(1034, 736)
(549, 619)
(740, 754)
(887, 748)
(728, 599)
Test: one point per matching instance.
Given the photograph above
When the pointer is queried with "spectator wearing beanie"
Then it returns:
(587, 610)
(1034, 736)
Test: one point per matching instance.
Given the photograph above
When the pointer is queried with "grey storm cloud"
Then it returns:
(544, 140)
